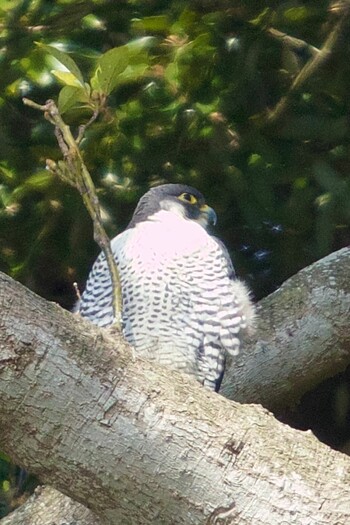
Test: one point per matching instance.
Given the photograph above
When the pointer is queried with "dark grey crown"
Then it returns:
(150, 203)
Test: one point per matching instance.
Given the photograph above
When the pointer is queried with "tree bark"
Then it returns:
(47, 506)
(139, 444)
(302, 337)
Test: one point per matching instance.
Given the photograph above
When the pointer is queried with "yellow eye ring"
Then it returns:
(188, 197)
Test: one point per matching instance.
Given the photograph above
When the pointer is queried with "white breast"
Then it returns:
(160, 240)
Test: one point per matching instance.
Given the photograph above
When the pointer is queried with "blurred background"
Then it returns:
(226, 104)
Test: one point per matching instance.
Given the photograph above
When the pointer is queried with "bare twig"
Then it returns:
(73, 171)
(314, 64)
(83, 127)
(60, 170)
(77, 291)
(295, 44)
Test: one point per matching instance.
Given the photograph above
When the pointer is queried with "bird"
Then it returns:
(183, 305)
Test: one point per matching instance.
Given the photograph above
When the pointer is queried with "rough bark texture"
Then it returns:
(138, 444)
(141, 445)
(47, 506)
(302, 338)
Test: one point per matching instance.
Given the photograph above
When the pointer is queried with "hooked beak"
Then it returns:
(208, 214)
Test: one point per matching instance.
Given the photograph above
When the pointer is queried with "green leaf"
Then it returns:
(6, 173)
(6, 485)
(207, 109)
(66, 77)
(297, 14)
(109, 66)
(139, 48)
(71, 96)
(121, 64)
(255, 160)
(171, 73)
(5, 196)
(263, 18)
(156, 24)
(132, 73)
(65, 60)
(39, 181)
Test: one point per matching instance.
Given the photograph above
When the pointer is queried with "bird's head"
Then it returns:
(183, 200)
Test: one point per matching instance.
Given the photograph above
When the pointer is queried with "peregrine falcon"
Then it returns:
(182, 303)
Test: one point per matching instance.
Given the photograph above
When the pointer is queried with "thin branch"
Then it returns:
(296, 44)
(60, 171)
(83, 127)
(74, 172)
(314, 64)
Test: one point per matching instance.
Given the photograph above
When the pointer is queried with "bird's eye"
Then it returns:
(188, 197)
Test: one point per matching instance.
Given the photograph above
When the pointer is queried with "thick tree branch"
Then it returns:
(302, 338)
(47, 506)
(139, 444)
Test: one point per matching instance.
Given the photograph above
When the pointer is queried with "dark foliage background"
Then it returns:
(227, 105)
